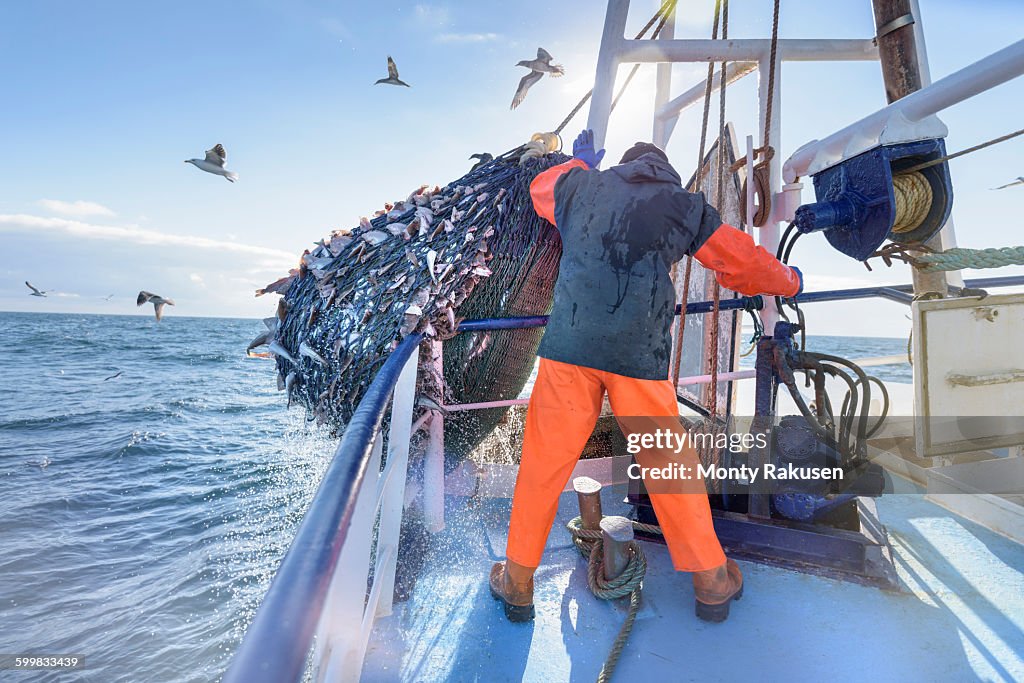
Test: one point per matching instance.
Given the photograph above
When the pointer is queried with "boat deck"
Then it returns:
(959, 615)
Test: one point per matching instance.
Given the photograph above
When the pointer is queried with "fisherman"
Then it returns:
(622, 230)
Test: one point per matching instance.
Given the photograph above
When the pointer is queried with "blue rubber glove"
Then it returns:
(583, 149)
(800, 276)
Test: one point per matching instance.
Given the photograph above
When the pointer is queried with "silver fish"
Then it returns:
(290, 382)
(412, 318)
(421, 297)
(307, 351)
(260, 340)
(431, 260)
(374, 237)
(278, 350)
(430, 404)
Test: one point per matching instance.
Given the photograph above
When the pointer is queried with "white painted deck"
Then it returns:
(960, 616)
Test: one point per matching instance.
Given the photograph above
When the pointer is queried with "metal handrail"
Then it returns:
(278, 642)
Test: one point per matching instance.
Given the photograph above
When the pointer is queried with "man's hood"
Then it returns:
(647, 168)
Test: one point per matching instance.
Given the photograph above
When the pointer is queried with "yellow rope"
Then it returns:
(913, 201)
(539, 145)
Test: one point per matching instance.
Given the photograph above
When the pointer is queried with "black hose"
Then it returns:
(885, 405)
(786, 373)
(846, 413)
(862, 429)
(782, 242)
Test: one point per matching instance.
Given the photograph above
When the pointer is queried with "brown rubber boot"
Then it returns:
(715, 589)
(513, 584)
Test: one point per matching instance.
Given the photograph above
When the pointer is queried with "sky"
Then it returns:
(104, 100)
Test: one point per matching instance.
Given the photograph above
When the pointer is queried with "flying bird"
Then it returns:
(108, 297)
(157, 301)
(35, 292)
(1018, 181)
(214, 162)
(392, 78)
(483, 158)
(114, 376)
(538, 67)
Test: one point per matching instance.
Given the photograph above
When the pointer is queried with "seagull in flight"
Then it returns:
(214, 162)
(482, 159)
(35, 292)
(538, 67)
(157, 301)
(392, 78)
(1018, 181)
(108, 297)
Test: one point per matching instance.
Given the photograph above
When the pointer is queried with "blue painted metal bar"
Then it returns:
(278, 641)
(485, 324)
(900, 293)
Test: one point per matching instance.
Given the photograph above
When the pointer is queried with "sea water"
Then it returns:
(142, 517)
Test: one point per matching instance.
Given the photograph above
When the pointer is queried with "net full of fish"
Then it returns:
(472, 249)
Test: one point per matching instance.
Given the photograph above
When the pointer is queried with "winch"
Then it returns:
(884, 193)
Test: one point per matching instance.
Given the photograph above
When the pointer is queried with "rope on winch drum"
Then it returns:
(629, 582)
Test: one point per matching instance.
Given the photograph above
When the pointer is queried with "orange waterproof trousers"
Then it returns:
(563, 411)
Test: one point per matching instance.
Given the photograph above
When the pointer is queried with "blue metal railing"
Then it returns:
(277, 643)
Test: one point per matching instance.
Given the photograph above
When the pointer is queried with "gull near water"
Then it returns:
(214, 163)
(157, 301)
(35, 291)
(538, 67)
(392, 78)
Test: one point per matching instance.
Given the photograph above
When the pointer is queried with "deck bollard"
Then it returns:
(616, 533)
(588, 491)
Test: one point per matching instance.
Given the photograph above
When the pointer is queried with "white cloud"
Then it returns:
(271, 258)
(197, 279)
(78, 208)
(467, 37)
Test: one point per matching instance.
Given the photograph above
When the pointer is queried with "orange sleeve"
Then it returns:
(542, 189)
(744, 267)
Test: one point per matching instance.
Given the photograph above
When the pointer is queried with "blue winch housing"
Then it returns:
(856, 204)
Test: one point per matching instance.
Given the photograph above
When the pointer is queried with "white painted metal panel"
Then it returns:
(968, 373)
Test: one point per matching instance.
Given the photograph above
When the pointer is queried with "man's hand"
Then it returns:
(800, 277)
(583, 149)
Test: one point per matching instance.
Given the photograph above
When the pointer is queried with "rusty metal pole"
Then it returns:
(901, 72)
(616, 534)
(588, 491)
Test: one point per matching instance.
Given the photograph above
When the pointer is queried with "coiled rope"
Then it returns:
(913, 195)
(629, 582)
(539, 145)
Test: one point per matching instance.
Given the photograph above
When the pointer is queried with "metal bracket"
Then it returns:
(897, 23)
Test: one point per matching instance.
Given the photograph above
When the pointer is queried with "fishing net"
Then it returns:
(472, 249)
